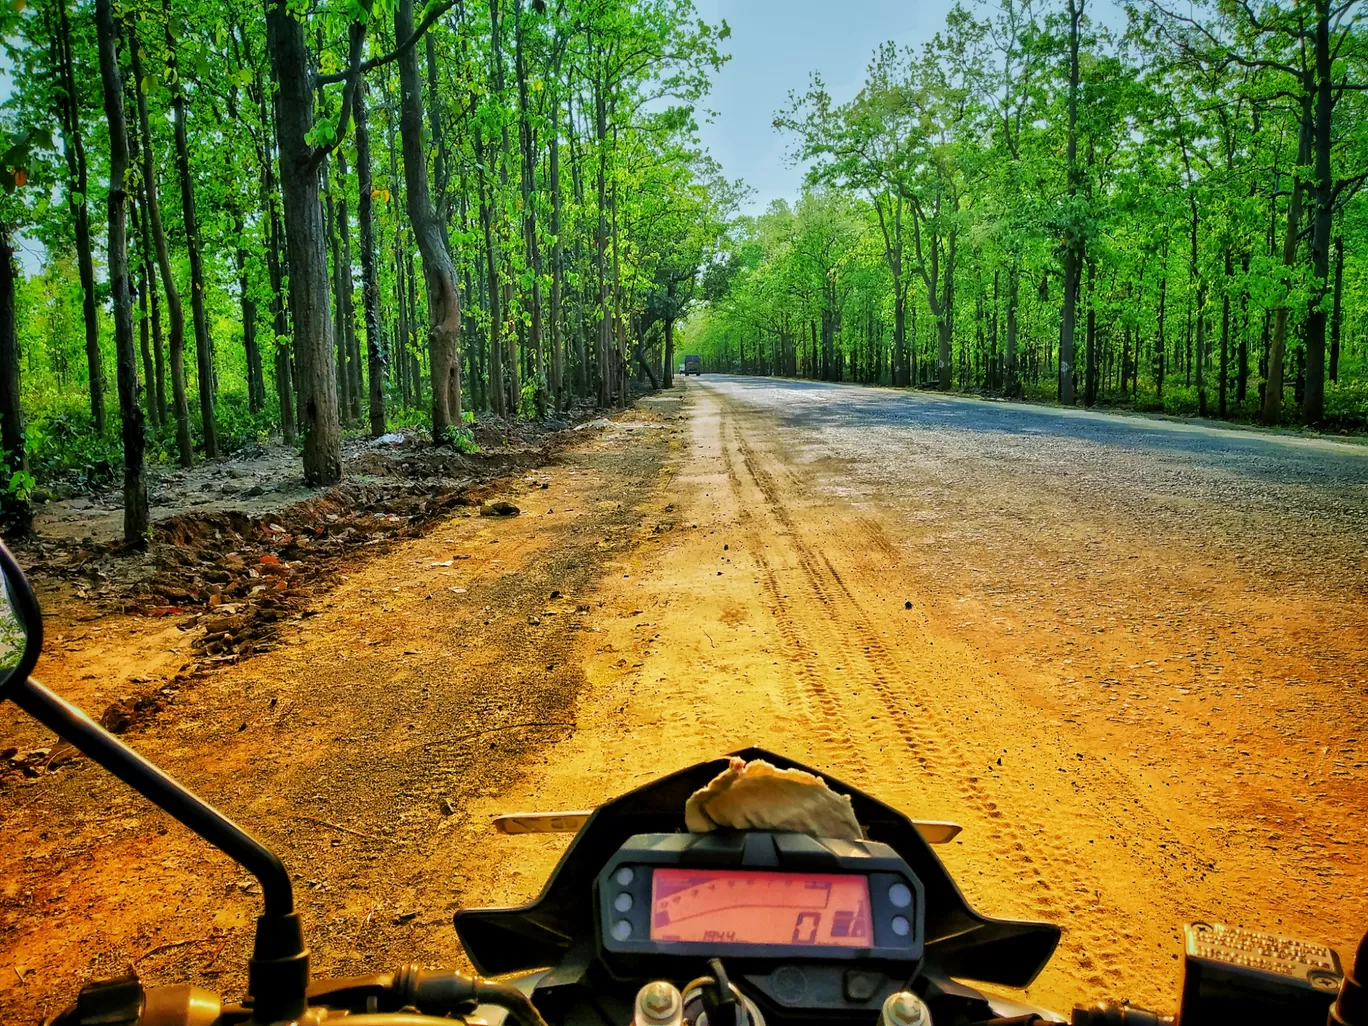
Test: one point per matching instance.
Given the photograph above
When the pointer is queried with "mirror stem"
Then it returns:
(108, 751)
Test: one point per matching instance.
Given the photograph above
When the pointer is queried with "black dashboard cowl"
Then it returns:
(959, 941)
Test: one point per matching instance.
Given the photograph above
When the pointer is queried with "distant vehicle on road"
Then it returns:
(693, 365)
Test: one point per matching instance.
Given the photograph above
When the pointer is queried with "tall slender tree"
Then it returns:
(136, 514)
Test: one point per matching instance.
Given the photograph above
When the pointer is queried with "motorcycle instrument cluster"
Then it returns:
(758, 896)
(708, 906)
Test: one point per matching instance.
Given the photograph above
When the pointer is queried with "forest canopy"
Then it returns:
(340, 214)
(312, 218)
(1159, 206)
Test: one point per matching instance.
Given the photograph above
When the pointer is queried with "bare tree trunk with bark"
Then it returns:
(204, 350)
(136, 515)
(1073, 256)
(351, 347)
(16, 513)
(256, 385)
(305, 241)
(78, 192)
(530, 240)
(370, 287)
(1273, 384)
(439, 273)
(175, 313)
(149, 289)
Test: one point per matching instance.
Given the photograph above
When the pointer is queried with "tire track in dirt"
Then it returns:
(1051, 899)
(1088, 925)
(906, 706)
(823, 709)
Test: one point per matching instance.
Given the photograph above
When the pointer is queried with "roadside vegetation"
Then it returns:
(1151, 206)
(217, 227)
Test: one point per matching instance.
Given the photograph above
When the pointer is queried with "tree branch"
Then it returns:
(352, 76)
(375, 62)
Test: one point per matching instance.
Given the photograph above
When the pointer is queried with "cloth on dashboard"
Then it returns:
(759, 796)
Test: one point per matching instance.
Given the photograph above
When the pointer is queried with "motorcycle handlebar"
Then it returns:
(410, 997)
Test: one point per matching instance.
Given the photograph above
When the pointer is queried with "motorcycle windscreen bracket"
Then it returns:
(758, 897)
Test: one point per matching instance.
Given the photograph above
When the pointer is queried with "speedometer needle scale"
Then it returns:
(741, 907)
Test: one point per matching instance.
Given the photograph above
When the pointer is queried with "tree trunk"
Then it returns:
(275, 246)
(256, 398)
(399, 363)
(496, 380)
(1073, 255)
(204, 352)
(1090, 370)
(669, 352)
(414, 370)
(305, 241)
(577, 185)
(16, 513)
(1161, 343)
(530, 241)
(1242, 350)
(346, 285)
(149, 280)
(439, 274)
(339, 328)
(145, 334)
(1012, 374)
(620, 335)
(289, 417)
(1273, 385)
(256, 382)
(557, 385)
(1224, 360)
(1195, 275)
(136, 516)
(73, 149)
(175, 313)
(508, 359)
(370, 286)
(901, 377)
(1322, 222)
(1337, 310)
(946, 320)
(601, 245)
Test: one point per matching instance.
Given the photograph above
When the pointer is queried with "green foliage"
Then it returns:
(63, 446)
(527, 398)
(21, 485)
(1346, 405)
(238, 426)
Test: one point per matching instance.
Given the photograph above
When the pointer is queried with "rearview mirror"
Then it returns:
(21, 625)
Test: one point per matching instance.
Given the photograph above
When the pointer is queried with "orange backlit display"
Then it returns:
(725, 906)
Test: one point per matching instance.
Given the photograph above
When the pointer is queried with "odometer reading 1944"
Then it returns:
(723, 906)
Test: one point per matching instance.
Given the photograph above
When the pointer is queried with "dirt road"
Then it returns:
(1129, 656)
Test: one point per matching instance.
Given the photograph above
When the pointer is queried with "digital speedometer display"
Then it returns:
(744, 907)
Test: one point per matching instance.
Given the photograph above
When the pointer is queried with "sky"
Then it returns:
(775, 47)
